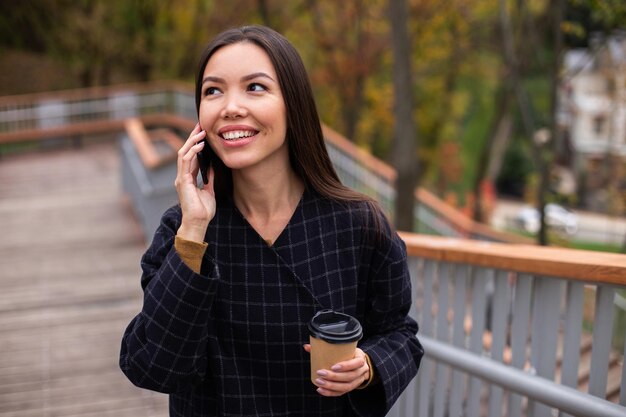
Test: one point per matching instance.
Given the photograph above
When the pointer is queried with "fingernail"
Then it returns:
(322, 373)
(336, 368)
(320, 381)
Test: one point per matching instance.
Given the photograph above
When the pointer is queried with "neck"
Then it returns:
(266, 193)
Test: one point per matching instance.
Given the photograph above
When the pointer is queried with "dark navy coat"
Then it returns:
(228, 341)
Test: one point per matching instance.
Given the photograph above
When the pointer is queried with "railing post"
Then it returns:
(123, 105)
(519, 333)
(457, 390)
(499, 319)
(572, 332)
(51, 113)
(441, 376)
(424, 374)
(545, 322)
(601, 347)
(622, 392)
(480, 279)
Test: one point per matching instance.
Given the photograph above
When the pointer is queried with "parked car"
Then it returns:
(558, 218)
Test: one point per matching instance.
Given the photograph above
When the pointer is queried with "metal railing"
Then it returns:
(34, 113)
(502, 324)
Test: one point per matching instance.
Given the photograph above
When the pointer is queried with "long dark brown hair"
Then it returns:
(307, 150)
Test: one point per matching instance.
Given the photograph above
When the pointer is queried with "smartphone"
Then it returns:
(205, 156)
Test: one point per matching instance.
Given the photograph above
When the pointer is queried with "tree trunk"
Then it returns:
(404, 146)
(492, 153)
(264, 12)
(548, 152)
(526, 112)
(86, 77)
(350, 76)
(189, 60)
(352, 101)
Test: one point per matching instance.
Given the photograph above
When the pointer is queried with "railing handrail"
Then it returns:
(91, 127)
(367, 159)
(564, 398)
(95, 92)
(144, 143)
(574, 264)
(460, 221)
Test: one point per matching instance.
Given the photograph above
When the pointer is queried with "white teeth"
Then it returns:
(237, 134)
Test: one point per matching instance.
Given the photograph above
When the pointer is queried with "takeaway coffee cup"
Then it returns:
(333, 337)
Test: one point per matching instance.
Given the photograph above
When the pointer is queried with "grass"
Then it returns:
(572, 244)
(601, 247)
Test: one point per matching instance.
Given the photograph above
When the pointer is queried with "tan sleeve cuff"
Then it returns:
(366, 384)
(190, 252)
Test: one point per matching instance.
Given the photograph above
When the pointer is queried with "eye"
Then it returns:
(256, 87)
(211, 91)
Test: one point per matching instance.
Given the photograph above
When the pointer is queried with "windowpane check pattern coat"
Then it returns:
(228, 341)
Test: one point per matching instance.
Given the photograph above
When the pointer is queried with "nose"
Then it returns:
(234, 107)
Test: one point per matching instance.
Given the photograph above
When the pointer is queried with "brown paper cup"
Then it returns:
(324, 355)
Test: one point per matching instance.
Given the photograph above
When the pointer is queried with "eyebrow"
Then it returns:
(256, 75)
(248, 77)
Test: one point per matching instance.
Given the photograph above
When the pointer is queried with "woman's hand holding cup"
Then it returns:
(342, 377)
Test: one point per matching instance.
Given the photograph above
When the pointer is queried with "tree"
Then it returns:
(453, 74)
(348, 52)
(405, 132)
(25, 24)
(85, 36)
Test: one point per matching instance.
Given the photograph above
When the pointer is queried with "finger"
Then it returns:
(342, 376)
(347, 371)
(334, 389)
(329, 393)
(189, 161)
(195, 136)
(307, 347)
(349, 365)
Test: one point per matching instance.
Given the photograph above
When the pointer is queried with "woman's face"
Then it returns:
(242, 107)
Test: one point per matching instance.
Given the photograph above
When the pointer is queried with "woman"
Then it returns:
(238, 268)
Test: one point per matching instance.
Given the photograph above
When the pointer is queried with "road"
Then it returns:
(592, 227)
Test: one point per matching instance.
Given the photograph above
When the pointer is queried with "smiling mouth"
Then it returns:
(238, 134)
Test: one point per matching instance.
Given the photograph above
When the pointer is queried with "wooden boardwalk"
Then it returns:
(69, 285)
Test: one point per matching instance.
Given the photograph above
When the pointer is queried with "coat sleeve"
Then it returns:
(164, 346)
(390, 334)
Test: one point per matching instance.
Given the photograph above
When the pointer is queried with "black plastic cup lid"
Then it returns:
(334, 327)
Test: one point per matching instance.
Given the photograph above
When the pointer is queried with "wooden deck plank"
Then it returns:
(69, 285)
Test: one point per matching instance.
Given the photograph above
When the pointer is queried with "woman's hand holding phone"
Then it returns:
(197, 204)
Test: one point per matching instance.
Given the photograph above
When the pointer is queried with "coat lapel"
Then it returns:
(309, 248)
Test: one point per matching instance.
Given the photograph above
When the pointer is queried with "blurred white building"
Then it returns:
(593, 118)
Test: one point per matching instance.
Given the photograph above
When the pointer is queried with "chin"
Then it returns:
(237, 163)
